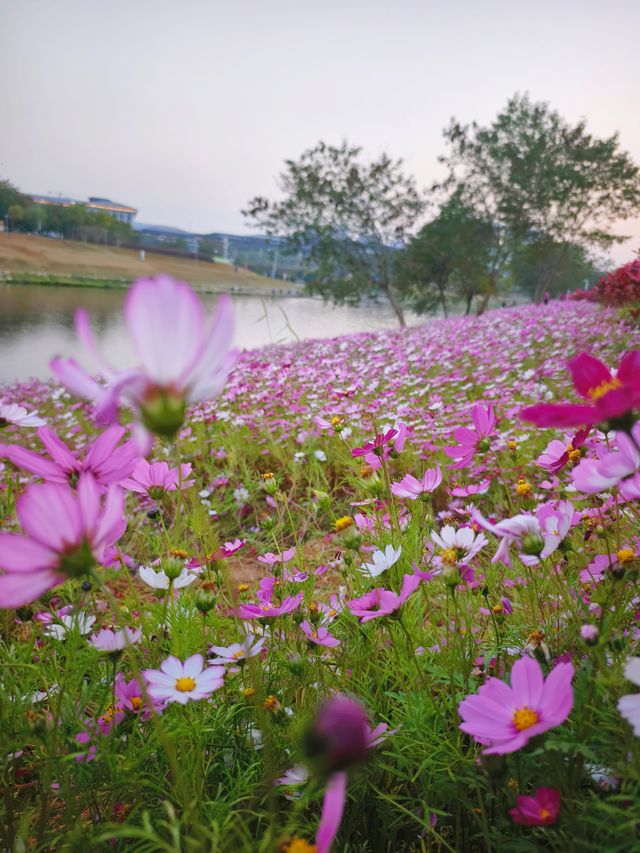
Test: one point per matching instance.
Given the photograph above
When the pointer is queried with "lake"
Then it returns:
(36, 323)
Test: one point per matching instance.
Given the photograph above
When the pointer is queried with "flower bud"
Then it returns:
(532, 544)
(589, 634)
(162, 412)
(339, 735)
(172, 567)
(205, 601)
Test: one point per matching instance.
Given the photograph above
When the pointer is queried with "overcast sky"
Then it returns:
(186, 109)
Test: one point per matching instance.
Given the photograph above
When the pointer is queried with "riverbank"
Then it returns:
(28, 259)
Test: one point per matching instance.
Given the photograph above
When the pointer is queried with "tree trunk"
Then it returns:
(469, 301)
(395, 305)
(491, 289)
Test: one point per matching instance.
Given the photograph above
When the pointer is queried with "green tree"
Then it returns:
(531, 172)
(347, 215)
(10, 196)
(542, 265)
(447, 261)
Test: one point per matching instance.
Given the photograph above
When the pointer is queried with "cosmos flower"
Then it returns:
(103, 459)
(381, 561)
(176, 681)
(67, 534)
(558, 454)
(320, 635)
(268, 610)
(129, 696)
(237, 653)
(181, 361)
(472, 440)
(76, 621)
(383, 602)
(504, 718)
(458, 546)
(10, 413)
(617, 467)
(412, 488)
(629, 705)
(160, 580)
(610, 395)
(156, 478)
(541, 809)
(108, 640)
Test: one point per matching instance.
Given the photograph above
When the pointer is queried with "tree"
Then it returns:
(530, 172)
(448, 260)
(10, 196)
(347, 216)
(541, 265)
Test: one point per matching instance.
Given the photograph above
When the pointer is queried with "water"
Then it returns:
(36, 323)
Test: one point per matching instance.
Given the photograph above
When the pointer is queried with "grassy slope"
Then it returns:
(23, 253)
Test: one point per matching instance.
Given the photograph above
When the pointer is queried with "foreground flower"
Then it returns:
(18, 415)
(129, 696)
(381, 561)
(103, 459)
(629, 706)
(156, 478)
(412, 488)
(617, 467)
(472, 440)
(542, 809)
(67, 533)
(182, 361)
(610, 395)
(176, 681)
(383, 602)
(504, 718)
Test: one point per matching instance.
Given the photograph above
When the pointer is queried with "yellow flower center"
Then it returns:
(268, 476)
(271, 703)
(136, 703)
(243, 587)
(497, 608)
(625, 555)
(237, 655)
(185, 684)
(512, 445)
(524, 718)
(335, 420)
(573, 453)
(179, 552)
(545, 814)
(449, 556)
(535, 637)
(248, 692)
(343, 522)
(299, 845)
(604, 388)
(523, 488)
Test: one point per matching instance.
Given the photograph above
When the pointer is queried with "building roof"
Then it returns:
(94, 202)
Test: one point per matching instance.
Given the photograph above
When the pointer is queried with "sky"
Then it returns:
(187, 109)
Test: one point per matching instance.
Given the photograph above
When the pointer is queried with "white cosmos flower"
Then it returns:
(381, 561)
(80, 622)
(12, 414)
(159, 580)
(629, 706)
(458, 546)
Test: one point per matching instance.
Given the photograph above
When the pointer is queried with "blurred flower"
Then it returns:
(382, 602)
(629, 706)
(10, 413)
(108, 640)
(542, 809)
(160, 580)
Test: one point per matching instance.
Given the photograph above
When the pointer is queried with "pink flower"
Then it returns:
(320, 636)
(268, 610)
(558, 453)
(610, 395)
(617, 467)
(410, 487)
(108, 640)
(156, 478)
(542, 809)
(107, 462)
(379, 447)
(129, 696)
(18, 415)
(504, 718)
(182, 361)
(176, 681)
(67, 533)
(472, 440)
(271, 559)
(382, 602)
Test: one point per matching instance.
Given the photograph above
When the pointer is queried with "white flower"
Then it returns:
(159, 580)
(458, 546)
(629, 706)
(12, 414)
(176, 681)
(240, 495)
(236, 652)
(320, 455)
(382, 560)
(80, 622)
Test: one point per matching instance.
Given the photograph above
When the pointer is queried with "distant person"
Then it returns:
(546, 297)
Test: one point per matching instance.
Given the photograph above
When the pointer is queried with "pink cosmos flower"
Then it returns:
(108, 640)
(382, 602)
(504, 718)
(617, 467)
(182, 361)
(268, 610)
(10, 413)
(237, 652)
(373, 450)
(610, 395)
(271, 559)
(176, 681)
(558, 453)
(107, 462)
(156, 478)
(129, 697)
(472, 440)
(542, 809)
(412, 488)
(320, 636)
(471, 489)
(67, 533)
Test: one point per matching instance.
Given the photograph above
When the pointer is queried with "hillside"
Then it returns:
(26, 254)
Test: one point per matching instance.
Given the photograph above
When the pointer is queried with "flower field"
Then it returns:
(374, 593)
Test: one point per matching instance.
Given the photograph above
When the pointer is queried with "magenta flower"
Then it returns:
(104, 460)
(270, 559)
(67, 533)
(129, 697)
(382, 602)
(535, 537)
(181, 360)
(156, 478)
(617, 467)
(268, 610)
(610, 395)
(176, 681)
(542, 809)
(108, 640)
(10, 413)
(504, 718)
(320, 636)
(412, 488)
(472, 440)
(379, 447)
(558, 453)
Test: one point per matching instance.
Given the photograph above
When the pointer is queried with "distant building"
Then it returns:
(121, 212)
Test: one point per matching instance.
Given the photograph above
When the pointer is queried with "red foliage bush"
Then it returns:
(620, 287)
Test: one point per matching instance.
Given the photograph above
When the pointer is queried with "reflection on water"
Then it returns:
(36, 323)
